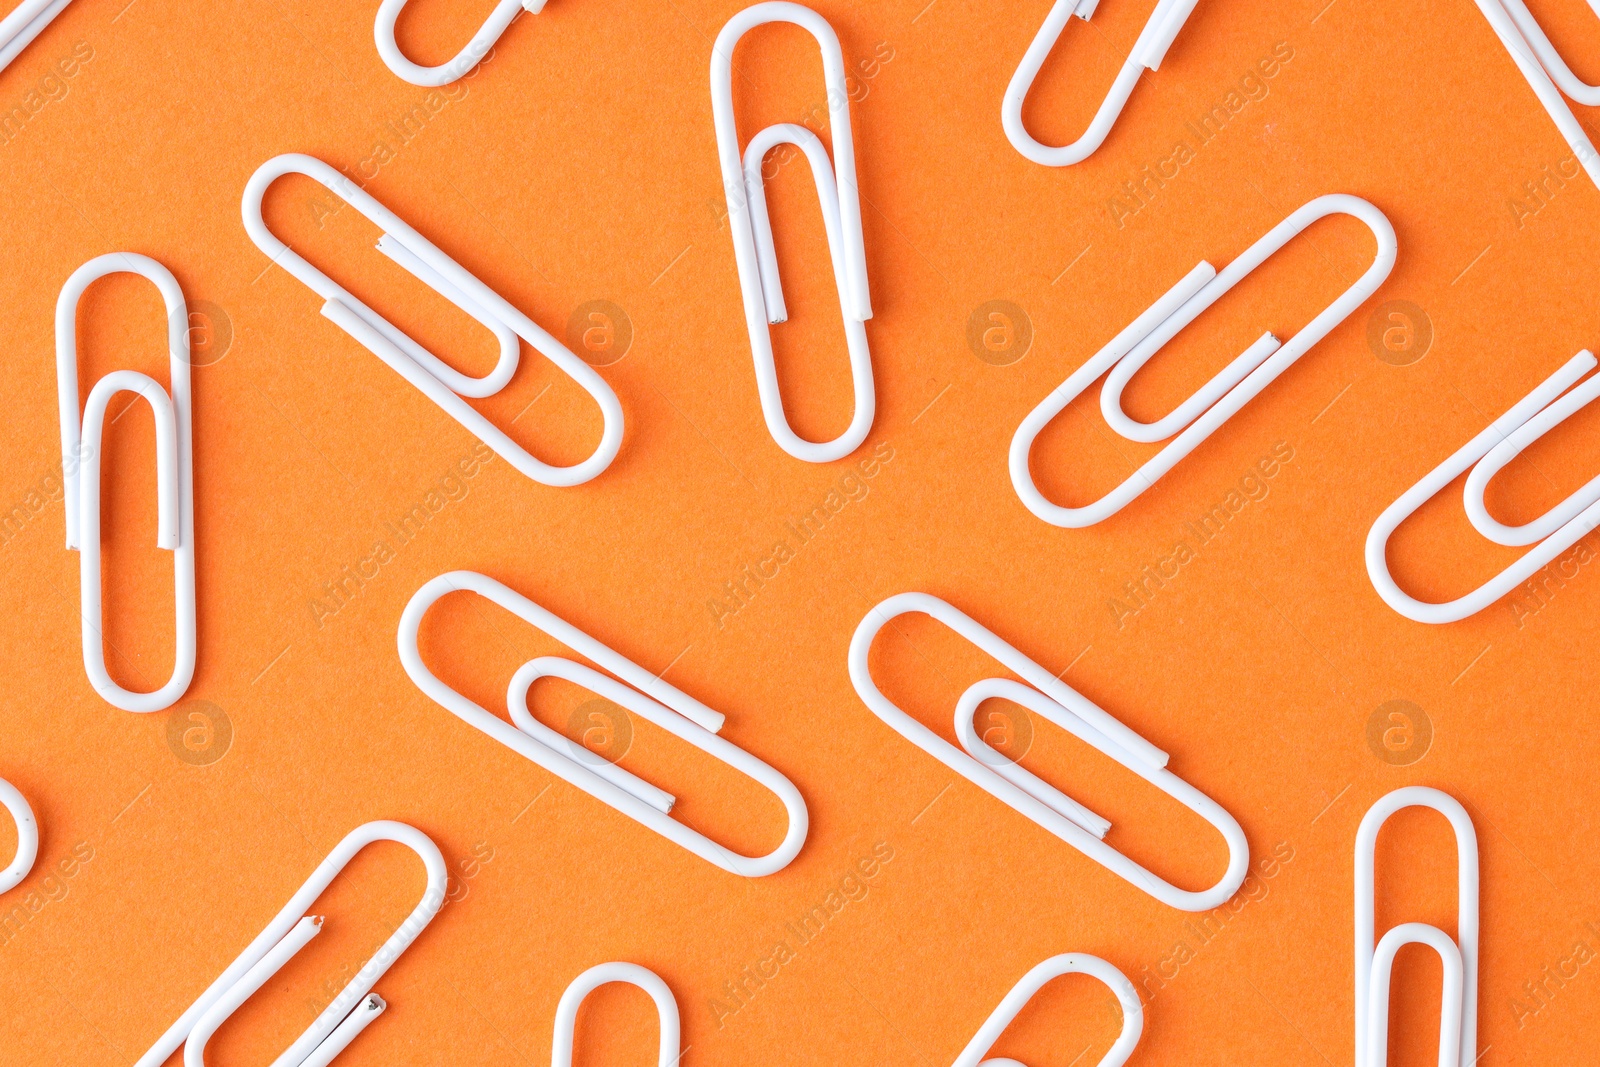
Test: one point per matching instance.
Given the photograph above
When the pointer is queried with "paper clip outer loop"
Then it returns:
(504, 14)
(698, 727)
(1529, 419)
(754, 253)
(1133, 751)
(25, 22)
(1148, 52)
(27, 836)
(1024, 991)
(439, 382)
(1460, 957)
(284, 928)
(1232, 388)
(595, 977)
(81, 447)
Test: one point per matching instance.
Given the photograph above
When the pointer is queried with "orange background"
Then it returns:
(578, 163)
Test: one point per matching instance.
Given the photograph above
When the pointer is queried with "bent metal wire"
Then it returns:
(25, 22)
(1148, 52)
(595, 977)
(1556, 399)
(81, 446)
(1068, 963)
(356, 1007)
(504, 14)
(1458, 1015)
(437, 380)
(1024, 792)
(14, 802)
(665, 705)
(1219, 399)
(1547, 74)
(753, 249)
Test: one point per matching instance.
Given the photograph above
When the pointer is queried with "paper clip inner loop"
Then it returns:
(1458, 1023)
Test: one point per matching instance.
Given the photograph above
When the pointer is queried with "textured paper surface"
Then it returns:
(578, 164)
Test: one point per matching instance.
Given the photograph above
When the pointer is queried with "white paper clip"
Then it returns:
(1458, 1017)
(1486, 454)
(80, 471)
(437, 380)
(27, 836)
(1547, 74)
(355, 1008)
(592, 979)
(1213, 403)
(25, 22)
(639, 691)
(753, 249)
(504, 14)
(1048, 696)
(1069, 963)
(1148, 52)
